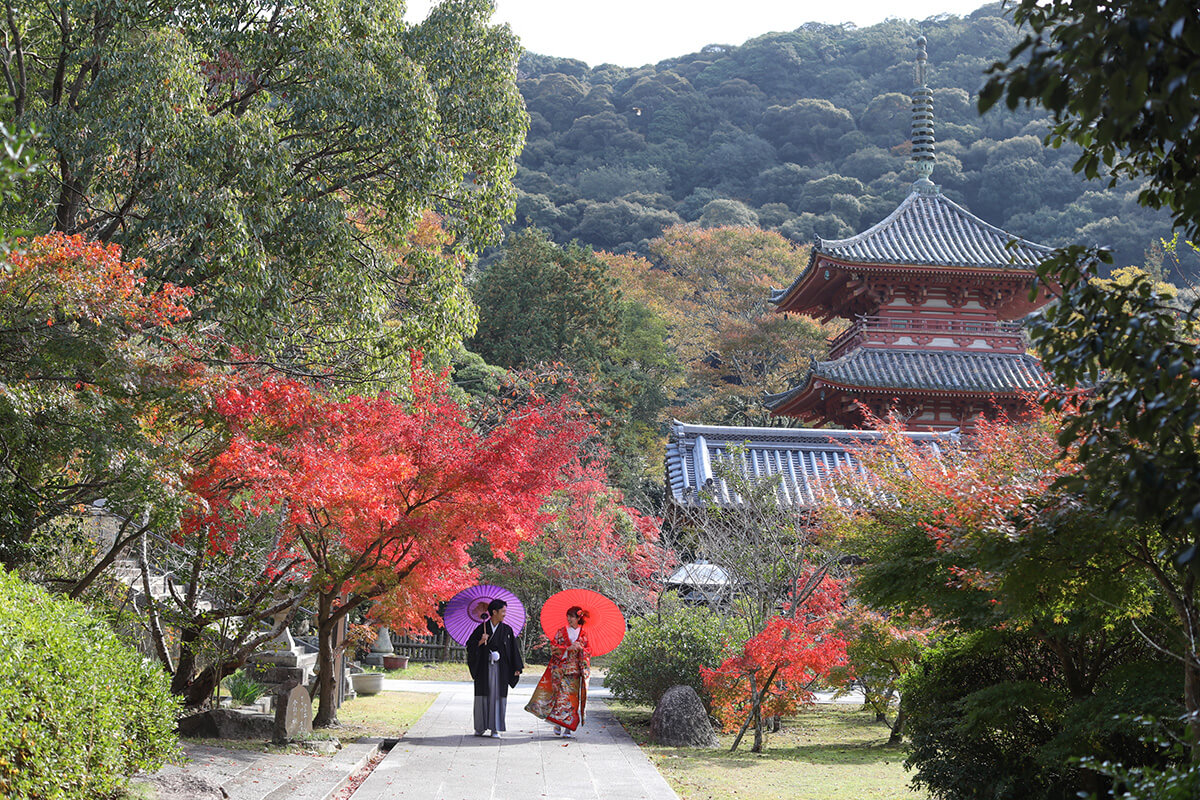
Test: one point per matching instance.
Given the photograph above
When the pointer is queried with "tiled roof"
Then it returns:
(949, 370)
(927, 370)
(803, 457)
(932, 229)
(929, 229)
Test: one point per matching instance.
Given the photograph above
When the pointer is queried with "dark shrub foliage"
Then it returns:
(991, 718)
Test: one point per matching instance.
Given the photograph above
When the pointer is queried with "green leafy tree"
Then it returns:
(16, 164)
(1120, 80)
(545, 306)
(1002, 549)
(542, 302)
(274, 156)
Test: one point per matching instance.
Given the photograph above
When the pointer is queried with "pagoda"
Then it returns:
(932, 294)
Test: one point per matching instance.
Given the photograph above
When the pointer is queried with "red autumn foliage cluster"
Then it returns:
(382, 493)
(600, 542)
(782, 663)
(967, 496)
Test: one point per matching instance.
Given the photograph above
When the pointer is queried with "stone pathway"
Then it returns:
(249, 775)
(441, 759)
(438, 759)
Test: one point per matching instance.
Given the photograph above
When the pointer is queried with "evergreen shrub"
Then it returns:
(990, 718)
(667, 649)
(79, 710)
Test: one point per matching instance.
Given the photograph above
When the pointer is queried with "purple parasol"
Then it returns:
(468, 608)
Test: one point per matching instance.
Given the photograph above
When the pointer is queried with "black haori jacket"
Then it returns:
(502, 641)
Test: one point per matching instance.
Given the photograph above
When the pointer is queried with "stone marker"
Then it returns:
(680, 720)
(293, 713)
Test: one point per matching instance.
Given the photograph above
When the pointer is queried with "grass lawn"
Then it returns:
(387, 715)
(830, 752)
(449, 671)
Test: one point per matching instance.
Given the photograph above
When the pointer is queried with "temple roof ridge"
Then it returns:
(940, 371)
(804, 460)
(928, 230)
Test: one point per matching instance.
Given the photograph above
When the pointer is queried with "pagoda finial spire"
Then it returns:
(922, 124)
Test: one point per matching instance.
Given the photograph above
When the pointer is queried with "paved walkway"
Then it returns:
(441, 759)
(438, 759)
(211, 772)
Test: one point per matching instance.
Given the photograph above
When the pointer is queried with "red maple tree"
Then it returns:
(381, 496)
(777, 668)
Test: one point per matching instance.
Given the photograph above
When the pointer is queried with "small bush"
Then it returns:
(79, 710)
(243, 688)
(667, 649)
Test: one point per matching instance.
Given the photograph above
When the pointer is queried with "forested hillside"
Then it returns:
(805, 133)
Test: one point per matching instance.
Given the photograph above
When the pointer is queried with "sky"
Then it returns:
(631, 33)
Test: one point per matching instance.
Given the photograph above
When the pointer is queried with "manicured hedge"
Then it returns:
(79, 710)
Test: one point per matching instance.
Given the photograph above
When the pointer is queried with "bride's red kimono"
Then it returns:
(561, 694)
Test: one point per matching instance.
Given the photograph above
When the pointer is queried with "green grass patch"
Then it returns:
(830, 752)
(387, 715)
(450, 671)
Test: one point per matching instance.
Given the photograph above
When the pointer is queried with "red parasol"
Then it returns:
(605, 624)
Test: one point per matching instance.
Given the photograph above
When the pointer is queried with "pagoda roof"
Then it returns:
(938, 371)
(926, 230)
(804, 458)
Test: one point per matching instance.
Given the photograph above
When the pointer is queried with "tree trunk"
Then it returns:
(1191, 699)
(202, 687)
(188, 637)
(326, 690)
(756, 698)
(898, 726)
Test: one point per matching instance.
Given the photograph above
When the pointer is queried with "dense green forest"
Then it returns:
(805, 133)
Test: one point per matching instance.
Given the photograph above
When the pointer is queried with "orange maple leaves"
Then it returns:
(89, 281)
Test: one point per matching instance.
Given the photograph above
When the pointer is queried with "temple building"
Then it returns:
(934, 296)
(931, 293)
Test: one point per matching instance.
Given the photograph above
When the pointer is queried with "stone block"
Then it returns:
(226, 723)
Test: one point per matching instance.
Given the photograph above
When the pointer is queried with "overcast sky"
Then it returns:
(636, 32)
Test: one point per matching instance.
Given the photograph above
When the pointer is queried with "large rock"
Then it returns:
(681, 721)
(225, 723)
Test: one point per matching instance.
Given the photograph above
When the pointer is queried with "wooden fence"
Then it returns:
(429, 648)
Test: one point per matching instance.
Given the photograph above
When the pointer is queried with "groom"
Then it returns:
(494, 658)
